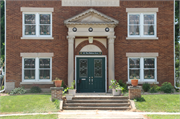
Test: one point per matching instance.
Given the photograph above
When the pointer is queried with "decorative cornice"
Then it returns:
(91, 11)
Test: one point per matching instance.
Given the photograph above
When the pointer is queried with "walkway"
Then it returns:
(97, 114)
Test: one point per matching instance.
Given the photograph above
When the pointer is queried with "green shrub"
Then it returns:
(2, 87)
(123, 85)
(56, 103)
(167, 87)
(153, 89)
(35, 89)
(141, 99)
(19, 90)
(146, 87)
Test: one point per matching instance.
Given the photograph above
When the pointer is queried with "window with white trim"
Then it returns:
(141, 24)
(37, 24)
(142, 68)
(37, 69)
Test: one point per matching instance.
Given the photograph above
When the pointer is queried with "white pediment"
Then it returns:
(91, 16)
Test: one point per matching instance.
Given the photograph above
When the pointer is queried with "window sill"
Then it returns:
(36, 82)
(141, 38)
(37, 38)
(142, 82)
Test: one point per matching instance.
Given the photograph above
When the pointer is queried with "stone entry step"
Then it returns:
(97, 102)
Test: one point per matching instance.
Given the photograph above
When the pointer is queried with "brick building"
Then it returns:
(89, 42)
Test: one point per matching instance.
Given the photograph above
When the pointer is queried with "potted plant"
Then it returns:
(58, 82)
(134, 82)
(71, 89)
(116, 88)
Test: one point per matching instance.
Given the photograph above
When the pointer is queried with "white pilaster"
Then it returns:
(111, 73)
(70, 59)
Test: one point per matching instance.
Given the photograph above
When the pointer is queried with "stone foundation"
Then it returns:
(56, 93)
(134, 92)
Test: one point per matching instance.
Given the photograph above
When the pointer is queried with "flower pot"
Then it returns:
(134, 82)
(72, 91)
(69, 97)
(58, 83)
(116, 92)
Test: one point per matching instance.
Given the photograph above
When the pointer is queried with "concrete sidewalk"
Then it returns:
(97, 114)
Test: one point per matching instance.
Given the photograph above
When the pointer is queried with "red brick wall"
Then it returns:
(59, 46)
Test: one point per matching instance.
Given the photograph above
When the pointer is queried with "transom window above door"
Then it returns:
(141, 24)
(37, 24)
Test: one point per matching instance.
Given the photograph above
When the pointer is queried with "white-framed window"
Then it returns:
(36, 69)
(37, 24)
(142, 24)
(142, 68)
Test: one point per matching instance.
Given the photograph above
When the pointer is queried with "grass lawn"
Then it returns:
(159, 103)
(164, 116)
(49, 116)
(27, 103)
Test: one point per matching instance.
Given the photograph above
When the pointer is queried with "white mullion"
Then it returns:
(141, 69)
(37, 69)
(141, 24)
(37, 24)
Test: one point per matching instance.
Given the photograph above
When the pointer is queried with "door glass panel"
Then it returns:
(97, 67)
(83, 68)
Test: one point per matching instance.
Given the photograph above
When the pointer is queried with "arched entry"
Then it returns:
(90, 24)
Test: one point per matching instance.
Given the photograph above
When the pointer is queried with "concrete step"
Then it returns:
(97, 104)
(95, 108)
(100, 97)
(97, 101)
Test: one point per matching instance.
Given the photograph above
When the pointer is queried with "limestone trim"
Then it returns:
(36, 82)
(108, 19)
(142, 54)
(141, 38)
(36, 54)
(36, 9)
(142, 82)
(37, 38)
(141, 9)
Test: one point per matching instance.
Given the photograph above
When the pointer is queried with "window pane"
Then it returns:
(30, 30)
(44, 63)
(134, 73)
(134, 62)
(97, 67)
(45, 29)
(44, 18)
(134, 30)
(148, 29)
(149, 19)
(44, 74)
(29, 63)
(30, 19)
(149, 63)
(149, 74)
(83, 68)
(29, 74)
(134, 19)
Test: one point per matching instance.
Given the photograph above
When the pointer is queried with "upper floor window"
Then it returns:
(37, 24)
(141, 24)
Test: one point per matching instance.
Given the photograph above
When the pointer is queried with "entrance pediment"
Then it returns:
(91, 16)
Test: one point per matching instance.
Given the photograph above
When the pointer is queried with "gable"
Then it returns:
(91, 16)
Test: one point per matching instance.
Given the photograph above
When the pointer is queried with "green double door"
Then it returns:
(90, 74)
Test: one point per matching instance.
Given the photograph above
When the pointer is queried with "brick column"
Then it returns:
(56, 93)
(134, 92)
